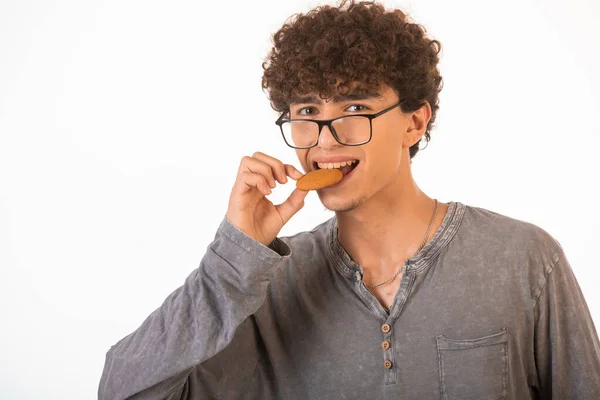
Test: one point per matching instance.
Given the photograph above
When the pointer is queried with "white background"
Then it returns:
(122, 125)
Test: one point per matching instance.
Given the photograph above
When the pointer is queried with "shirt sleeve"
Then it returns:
(196, 321)
(567, 349)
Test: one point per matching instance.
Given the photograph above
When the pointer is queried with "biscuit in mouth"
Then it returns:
(319, 179)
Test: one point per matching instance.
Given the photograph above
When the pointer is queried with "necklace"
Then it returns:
(391, 278)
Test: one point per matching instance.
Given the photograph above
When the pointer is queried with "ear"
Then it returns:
(417, 126)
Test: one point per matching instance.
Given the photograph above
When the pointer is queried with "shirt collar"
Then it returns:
(417, 263)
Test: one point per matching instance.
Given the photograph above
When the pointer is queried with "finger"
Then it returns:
(253, 180)
(292, 172)
(276, 165)
(257, 166)
(291, 205)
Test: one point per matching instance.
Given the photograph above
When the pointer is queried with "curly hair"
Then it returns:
(329, 48)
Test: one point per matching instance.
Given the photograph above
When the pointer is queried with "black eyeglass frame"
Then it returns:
(327, 123)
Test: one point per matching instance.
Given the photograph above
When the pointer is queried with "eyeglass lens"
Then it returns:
(350, 130)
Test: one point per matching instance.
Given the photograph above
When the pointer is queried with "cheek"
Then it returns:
(383, 145)
(302, 157)
(389, 131)
(384, 156)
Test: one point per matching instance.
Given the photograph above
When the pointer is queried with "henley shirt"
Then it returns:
(489, 309)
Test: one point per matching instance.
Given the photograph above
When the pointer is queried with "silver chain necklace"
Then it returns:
(418, 250)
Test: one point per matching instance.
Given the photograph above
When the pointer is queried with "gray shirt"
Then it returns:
(489, 309)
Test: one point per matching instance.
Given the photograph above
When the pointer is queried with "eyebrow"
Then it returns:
(337, 98)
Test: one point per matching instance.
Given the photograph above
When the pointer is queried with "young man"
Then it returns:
(398, 295)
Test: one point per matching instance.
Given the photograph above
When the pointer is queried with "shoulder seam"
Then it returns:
(182, 386)
(560, 255)
(252, 377)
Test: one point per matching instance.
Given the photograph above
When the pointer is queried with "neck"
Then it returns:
(389, 227)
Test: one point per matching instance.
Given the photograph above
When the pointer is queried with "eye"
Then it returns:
(357, 108)
(306, 111)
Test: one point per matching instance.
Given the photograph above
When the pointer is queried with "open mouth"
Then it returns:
(346, 169)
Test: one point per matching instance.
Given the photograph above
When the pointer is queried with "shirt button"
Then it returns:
(386, 328)
(385, 345)
(387, 364)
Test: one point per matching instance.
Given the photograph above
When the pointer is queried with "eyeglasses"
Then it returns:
(349, 130)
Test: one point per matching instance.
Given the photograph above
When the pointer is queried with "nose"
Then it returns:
(326, 139)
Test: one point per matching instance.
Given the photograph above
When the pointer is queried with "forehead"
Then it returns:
(314, 99)
(355, 93)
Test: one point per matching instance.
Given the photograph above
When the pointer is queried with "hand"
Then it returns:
(250, 210)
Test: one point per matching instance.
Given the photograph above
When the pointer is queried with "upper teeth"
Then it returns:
(336, 165)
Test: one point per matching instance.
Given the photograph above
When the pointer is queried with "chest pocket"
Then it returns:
(473, 368)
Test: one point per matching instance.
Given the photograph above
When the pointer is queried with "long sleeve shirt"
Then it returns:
(489, 309)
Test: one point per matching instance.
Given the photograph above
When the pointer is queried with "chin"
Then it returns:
(341, 205)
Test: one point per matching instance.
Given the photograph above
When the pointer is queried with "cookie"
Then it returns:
(319, 179)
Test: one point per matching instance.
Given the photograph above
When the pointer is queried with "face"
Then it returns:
(380, 161)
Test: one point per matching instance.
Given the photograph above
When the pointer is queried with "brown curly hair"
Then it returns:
(329, 48)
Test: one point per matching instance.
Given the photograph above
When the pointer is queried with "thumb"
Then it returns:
(291, 205)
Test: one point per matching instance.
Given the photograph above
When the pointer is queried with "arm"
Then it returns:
(196, 321)
(567, 349)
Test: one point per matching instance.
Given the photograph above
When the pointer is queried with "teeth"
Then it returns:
(336, 165)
